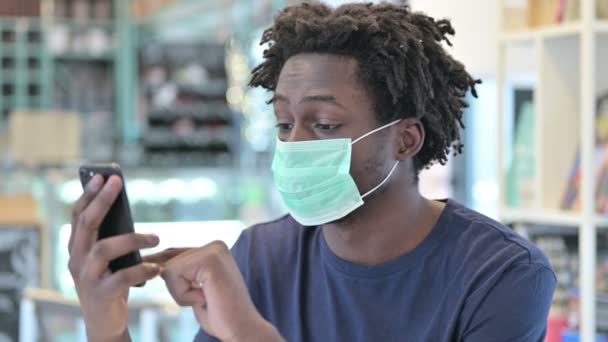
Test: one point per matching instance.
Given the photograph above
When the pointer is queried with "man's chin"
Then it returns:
(344, 221)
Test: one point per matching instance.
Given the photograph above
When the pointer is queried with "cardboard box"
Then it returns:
(543, 13)
(44, 138)
(20, 8)
(602, 9)
(515, 19)
(18, 211)
(141, 9)
(572, 11)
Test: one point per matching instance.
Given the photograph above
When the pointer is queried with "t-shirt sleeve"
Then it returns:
(515, 308)
(239, 253)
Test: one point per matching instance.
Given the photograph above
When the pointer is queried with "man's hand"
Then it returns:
(103, 295)
(208, 280)
(161, 258)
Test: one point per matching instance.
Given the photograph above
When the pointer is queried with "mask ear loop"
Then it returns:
(394, 166)
(384, 181)
(374, 131)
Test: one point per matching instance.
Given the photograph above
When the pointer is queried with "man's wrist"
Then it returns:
(98, 336)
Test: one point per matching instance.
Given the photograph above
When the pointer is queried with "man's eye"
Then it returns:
(326, 127)
(284, 126)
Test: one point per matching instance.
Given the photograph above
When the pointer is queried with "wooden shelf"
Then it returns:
(549, 217)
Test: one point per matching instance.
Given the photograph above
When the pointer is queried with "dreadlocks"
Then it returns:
(402, 64)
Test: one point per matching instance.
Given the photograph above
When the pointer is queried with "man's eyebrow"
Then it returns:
(278, 98)
(313, 98)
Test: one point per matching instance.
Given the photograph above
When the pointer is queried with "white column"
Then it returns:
(81, 330)
(587, 236)
(28, 329)
(148, 325)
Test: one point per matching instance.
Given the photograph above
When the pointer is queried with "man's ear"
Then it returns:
(410, 138)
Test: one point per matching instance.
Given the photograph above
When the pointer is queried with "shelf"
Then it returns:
(215, 89)
(8, 101)
(550, 32)
(8, 76)
(76, 56)
(33, 76)
(5, 108)
(528, 36)
(202, 139)
(30, 49)
(200, 112)
(545, 217)
(602, 26)
(71, 22)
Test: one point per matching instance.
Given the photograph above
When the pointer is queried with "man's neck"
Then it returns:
(385, 228)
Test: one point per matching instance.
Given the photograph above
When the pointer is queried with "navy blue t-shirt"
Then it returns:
(472, 279)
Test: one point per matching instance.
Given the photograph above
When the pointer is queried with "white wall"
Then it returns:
(337, 3)
(475, 22)
(475, 44)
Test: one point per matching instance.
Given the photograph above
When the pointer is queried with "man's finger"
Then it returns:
(131, 276)
(192, 297)
(162, 257)
(90, 191)
(90, 219)
(106, 250)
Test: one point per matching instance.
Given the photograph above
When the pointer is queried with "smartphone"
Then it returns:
(118, 220)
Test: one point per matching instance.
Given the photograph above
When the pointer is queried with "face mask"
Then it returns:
(313, 178)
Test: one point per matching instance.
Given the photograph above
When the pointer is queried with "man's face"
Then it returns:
(319, 96)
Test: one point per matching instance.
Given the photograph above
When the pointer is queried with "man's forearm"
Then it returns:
(268, 334)
(262, 331)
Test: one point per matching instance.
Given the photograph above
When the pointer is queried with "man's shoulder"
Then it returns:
(484, 240)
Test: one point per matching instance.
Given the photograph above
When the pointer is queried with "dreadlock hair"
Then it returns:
(401, 63)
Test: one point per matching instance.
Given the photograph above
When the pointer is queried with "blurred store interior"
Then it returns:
(160, 87)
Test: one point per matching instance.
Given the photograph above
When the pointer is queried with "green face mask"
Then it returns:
(313, 178)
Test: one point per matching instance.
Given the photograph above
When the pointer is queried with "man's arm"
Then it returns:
(240, 252)
(102, 294)
(513, 309)
(208, 280)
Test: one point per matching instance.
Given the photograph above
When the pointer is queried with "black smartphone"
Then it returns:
(118, 220)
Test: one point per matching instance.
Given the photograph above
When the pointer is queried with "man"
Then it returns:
(365, 97)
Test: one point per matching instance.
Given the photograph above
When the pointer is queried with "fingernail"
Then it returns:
(113, 183)
(95, 183)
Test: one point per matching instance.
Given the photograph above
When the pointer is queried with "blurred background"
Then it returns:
(159, 86)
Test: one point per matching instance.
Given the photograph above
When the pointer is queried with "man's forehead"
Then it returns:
(319, 66)
(318, 70)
